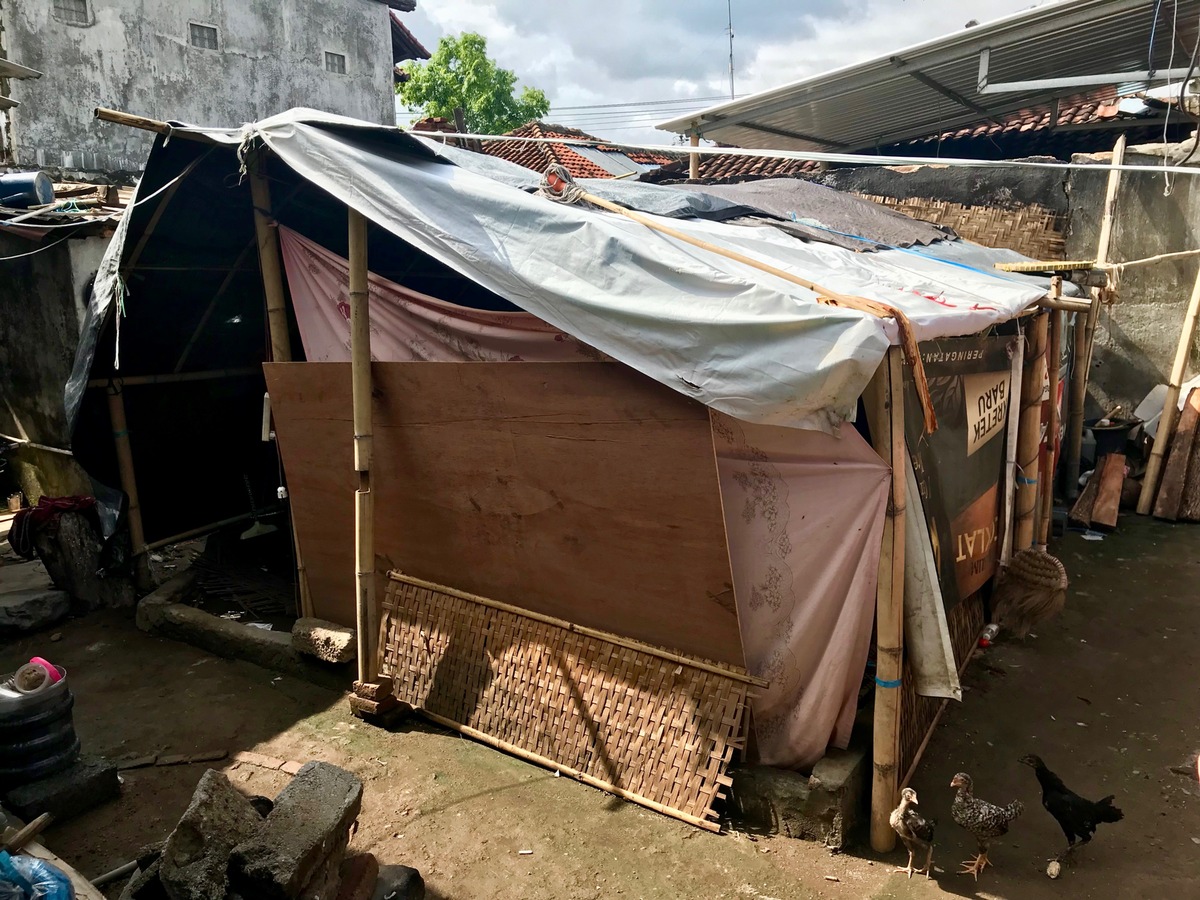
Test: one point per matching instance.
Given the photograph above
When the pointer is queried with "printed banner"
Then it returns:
(960, 467)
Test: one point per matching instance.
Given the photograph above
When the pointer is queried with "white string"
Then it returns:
(1167, 185)
(38, 250)
(814, 155)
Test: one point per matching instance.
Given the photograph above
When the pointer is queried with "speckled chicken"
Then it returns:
(915, 830)
(985, 821)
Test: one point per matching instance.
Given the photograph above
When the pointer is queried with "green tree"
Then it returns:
(460, 74)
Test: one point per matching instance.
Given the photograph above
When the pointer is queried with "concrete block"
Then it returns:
(399, 883)
(196, 857)
(145, 885)
(90, 782)
(312, 816)
(828, 806)
(324, 640)
(325, 882)
(160, 614)
(31, 609)
(360, 873)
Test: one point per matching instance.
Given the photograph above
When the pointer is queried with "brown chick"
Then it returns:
(914, 829)
(985, 821)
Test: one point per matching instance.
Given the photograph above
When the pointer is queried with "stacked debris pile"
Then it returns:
(295, 847)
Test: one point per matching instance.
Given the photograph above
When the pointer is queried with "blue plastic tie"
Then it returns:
(887, 684)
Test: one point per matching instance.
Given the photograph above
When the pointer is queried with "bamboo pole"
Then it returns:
(1166, 424)
(269, 265)
(889, 442)
(587, 779)
(120, 429)
(908, 338)
(197, 532)
(360, 375)
(176, 378)
(1029, 434)
(1085, 329)
(694, 158)
(1065, 304)
(1054, 362)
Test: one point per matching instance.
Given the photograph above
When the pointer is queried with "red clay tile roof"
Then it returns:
(716, 169)
(539, 156)
(404, 44)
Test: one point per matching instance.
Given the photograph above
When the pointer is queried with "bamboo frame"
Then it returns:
(1029, 434)
(694, 158)
(526, 755)
(137, 536)
(196, 532)
(908, 338)
(628, 643)
(888, 395)
(1166, 424)
(1085, 329)
(267, 242)
(360, 374)
(175, 377)
(1054, 362)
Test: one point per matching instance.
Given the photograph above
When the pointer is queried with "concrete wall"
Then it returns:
(40, 318)
(136, 56)
(1136, 337)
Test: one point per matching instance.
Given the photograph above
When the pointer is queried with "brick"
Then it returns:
(208, 756)
(373, 691)
(311, 818)
(292, 767)
(140, 763)
(258, 759)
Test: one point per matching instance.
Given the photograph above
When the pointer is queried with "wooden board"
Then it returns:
(1108, 498)
(1189, 510)
(1171, 489)
(579, 490)
(1081, 512)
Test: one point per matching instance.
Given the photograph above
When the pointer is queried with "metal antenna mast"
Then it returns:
(729, 9)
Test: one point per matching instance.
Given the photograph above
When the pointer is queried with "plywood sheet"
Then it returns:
(1171, 489)
(1108, 499)
(579, 490)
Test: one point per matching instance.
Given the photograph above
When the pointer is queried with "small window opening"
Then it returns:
(203, 36)
(335, 63)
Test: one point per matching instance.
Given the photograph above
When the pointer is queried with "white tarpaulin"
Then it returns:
(735, 338)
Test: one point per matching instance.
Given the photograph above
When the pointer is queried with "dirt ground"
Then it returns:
(1107, 696)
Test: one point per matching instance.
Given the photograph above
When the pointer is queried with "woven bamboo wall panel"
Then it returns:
(658, 731)
(917, 713)
(1032, 231)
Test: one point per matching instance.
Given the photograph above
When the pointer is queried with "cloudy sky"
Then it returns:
(672, 56)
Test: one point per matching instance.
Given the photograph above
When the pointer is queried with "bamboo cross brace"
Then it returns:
(824, 295)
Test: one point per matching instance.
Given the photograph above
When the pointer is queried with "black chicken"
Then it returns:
(1076, 817)
(986, 821)
(914, 830)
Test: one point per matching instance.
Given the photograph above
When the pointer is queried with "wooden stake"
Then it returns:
(360, 374)
(694, 158)
(1166, 424)
(1054, 362)
(1085, 329)
(889, 655)
(1029, 435)
(120, 430)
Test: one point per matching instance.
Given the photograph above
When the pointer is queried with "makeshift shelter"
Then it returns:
(677, 462)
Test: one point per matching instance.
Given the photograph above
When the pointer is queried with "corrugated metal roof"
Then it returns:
(935, 86)
(10, 69)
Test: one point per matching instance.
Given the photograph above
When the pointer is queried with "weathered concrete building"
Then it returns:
(205, 62)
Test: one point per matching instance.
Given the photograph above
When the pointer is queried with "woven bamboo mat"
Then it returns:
(647, 724)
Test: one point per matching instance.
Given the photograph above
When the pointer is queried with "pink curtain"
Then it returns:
(804, 517)
(406, 325)
(804, 510)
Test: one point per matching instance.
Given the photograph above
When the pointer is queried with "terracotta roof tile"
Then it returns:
(539, 156)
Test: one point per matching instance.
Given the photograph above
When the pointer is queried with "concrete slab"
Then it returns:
(33, 609)
(87, 784)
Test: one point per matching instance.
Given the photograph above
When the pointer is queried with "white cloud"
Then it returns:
(584, 53)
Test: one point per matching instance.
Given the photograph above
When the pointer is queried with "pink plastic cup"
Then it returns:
(49, 667)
